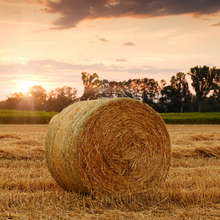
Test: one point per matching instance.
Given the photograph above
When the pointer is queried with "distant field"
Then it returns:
(191, 118)
(25, 117)
(40, 117)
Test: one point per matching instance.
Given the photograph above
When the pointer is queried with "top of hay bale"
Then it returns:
(109, 146)
(52, 119)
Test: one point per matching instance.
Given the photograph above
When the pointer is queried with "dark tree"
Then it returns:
(104, 89)
(60, 98)
(51, 103)
(16, 101)
(181, 89)
(212, 104)
(38, 97)
(91, 84)
(3, 105)
(115, 89)
(176, 95)
(216, 92)
(202, 82)
(168, 99)
(132, 88)
(150, 91)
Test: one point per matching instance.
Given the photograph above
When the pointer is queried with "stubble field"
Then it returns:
(191, 190)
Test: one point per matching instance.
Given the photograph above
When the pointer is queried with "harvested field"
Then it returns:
(191, 190)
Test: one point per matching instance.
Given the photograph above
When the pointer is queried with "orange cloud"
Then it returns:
(72, 12)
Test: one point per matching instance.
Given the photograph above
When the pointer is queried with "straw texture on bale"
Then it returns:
(108, 146)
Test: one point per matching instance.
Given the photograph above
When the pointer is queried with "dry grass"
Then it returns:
(191, 190)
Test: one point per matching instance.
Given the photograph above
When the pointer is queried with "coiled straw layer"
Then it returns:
(108, 146)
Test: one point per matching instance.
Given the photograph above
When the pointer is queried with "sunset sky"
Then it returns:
(49, 43)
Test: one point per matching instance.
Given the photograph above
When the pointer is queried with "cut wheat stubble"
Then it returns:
(108, 146)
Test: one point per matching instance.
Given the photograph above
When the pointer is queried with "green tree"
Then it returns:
(202, 82)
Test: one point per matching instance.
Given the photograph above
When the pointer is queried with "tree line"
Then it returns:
(174, 96)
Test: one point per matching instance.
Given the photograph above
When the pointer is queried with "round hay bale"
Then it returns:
(108, 146)
(52, 119)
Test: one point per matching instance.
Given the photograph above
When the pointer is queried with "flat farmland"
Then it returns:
(191, 190)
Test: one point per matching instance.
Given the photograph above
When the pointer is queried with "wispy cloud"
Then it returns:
(129, 44)
(90, 26)
(137, 70)
(17, 12)
(103, 40)
(46, 42)
(52, 68)
(121, 60)
(215, 25)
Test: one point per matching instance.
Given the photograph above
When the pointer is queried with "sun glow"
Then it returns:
(24, 86)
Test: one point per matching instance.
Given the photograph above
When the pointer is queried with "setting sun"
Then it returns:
(24, 86)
